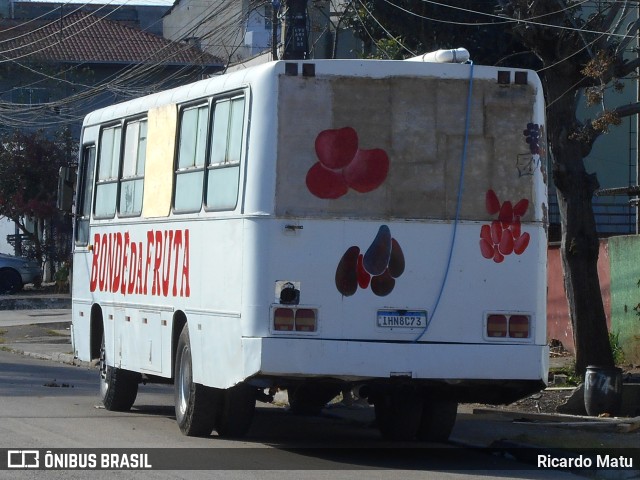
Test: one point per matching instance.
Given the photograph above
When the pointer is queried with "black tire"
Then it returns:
(10, 281)
(438, 419)
(118, 387)
(236, 414)
(398, 414)
(195, 404)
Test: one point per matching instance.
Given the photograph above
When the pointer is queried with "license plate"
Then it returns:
(402, 318)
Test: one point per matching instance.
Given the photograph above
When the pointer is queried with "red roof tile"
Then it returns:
(88, 38)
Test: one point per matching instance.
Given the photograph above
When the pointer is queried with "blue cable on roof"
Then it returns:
(456, 220)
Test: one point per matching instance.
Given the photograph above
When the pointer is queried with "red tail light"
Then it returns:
(504, 325)
(496, 326)
(283, 320)
(295, 319)
(305, 320)
(519, 326)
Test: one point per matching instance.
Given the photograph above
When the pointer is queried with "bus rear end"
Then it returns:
(406, 256)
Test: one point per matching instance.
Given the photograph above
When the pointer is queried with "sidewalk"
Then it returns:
(45, 334)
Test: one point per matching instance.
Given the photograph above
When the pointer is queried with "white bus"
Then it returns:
(317, 226)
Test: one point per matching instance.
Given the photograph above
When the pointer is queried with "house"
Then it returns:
(53, 72)
(54, 69)
(236, 31)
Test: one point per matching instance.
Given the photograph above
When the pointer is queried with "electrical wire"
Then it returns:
(456, 220)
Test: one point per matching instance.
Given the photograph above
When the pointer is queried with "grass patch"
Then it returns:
(2, 333)
(573, 380)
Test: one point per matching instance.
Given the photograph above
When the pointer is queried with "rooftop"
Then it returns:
(88, 38)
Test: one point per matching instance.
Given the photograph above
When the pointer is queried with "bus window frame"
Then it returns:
(176, 162)
(121, 178)
(210, 167)
(96, 180)
(82, 188)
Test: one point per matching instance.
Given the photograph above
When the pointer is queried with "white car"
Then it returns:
(15, 272)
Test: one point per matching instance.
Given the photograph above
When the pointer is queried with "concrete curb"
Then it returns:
(35, 302)
(66, 358)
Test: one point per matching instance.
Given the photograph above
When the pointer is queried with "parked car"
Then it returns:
(15, 272)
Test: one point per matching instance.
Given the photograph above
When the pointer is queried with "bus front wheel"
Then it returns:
(118, 387)
(195, 404)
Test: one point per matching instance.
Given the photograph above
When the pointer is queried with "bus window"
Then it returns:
(226, 148)
(131, 183)
(85, 193)
(191, 159)
(108, 166)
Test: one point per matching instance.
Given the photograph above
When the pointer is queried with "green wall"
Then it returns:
(624, 257)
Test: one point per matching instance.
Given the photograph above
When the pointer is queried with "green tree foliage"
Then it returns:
(403, 28)
(29, 165)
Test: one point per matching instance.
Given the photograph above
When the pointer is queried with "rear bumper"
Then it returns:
(365, 360)
(461, 367)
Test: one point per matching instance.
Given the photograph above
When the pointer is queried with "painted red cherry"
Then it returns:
(325, 183)
(486, 248)
(506, 213)
(520, 208)
(346, 275)
(496, 232)
(492, 203)
(516, 228)
(485, 233)
(336, 148)
(367, 170)
(506, 243)
(521, 244)
(497, 256)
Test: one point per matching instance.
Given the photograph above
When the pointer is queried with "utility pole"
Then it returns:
(275, 7)
(295, 32)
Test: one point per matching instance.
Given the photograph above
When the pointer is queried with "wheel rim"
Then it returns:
(184, 382)
(104, 382)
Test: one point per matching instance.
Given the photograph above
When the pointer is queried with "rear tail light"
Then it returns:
(283, 319)
(519, 326)
(496, 326)
(305, 320)
(500, 325)
(295, 319)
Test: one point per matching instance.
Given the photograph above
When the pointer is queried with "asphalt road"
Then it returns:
(45, 405)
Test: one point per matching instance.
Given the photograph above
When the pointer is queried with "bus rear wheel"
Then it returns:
(195, 404)
(437, 421)
(118, 387)
(236, 412)
(398, 413)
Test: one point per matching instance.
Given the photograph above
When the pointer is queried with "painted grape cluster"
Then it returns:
(343, 165)
(503, 237)
(377, 268)
(532, 137)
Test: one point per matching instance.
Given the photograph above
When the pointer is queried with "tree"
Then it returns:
(29, 164)
(582, 56)
(404, 28)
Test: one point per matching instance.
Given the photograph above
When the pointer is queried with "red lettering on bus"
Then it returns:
(119, 264)
(184, 281)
